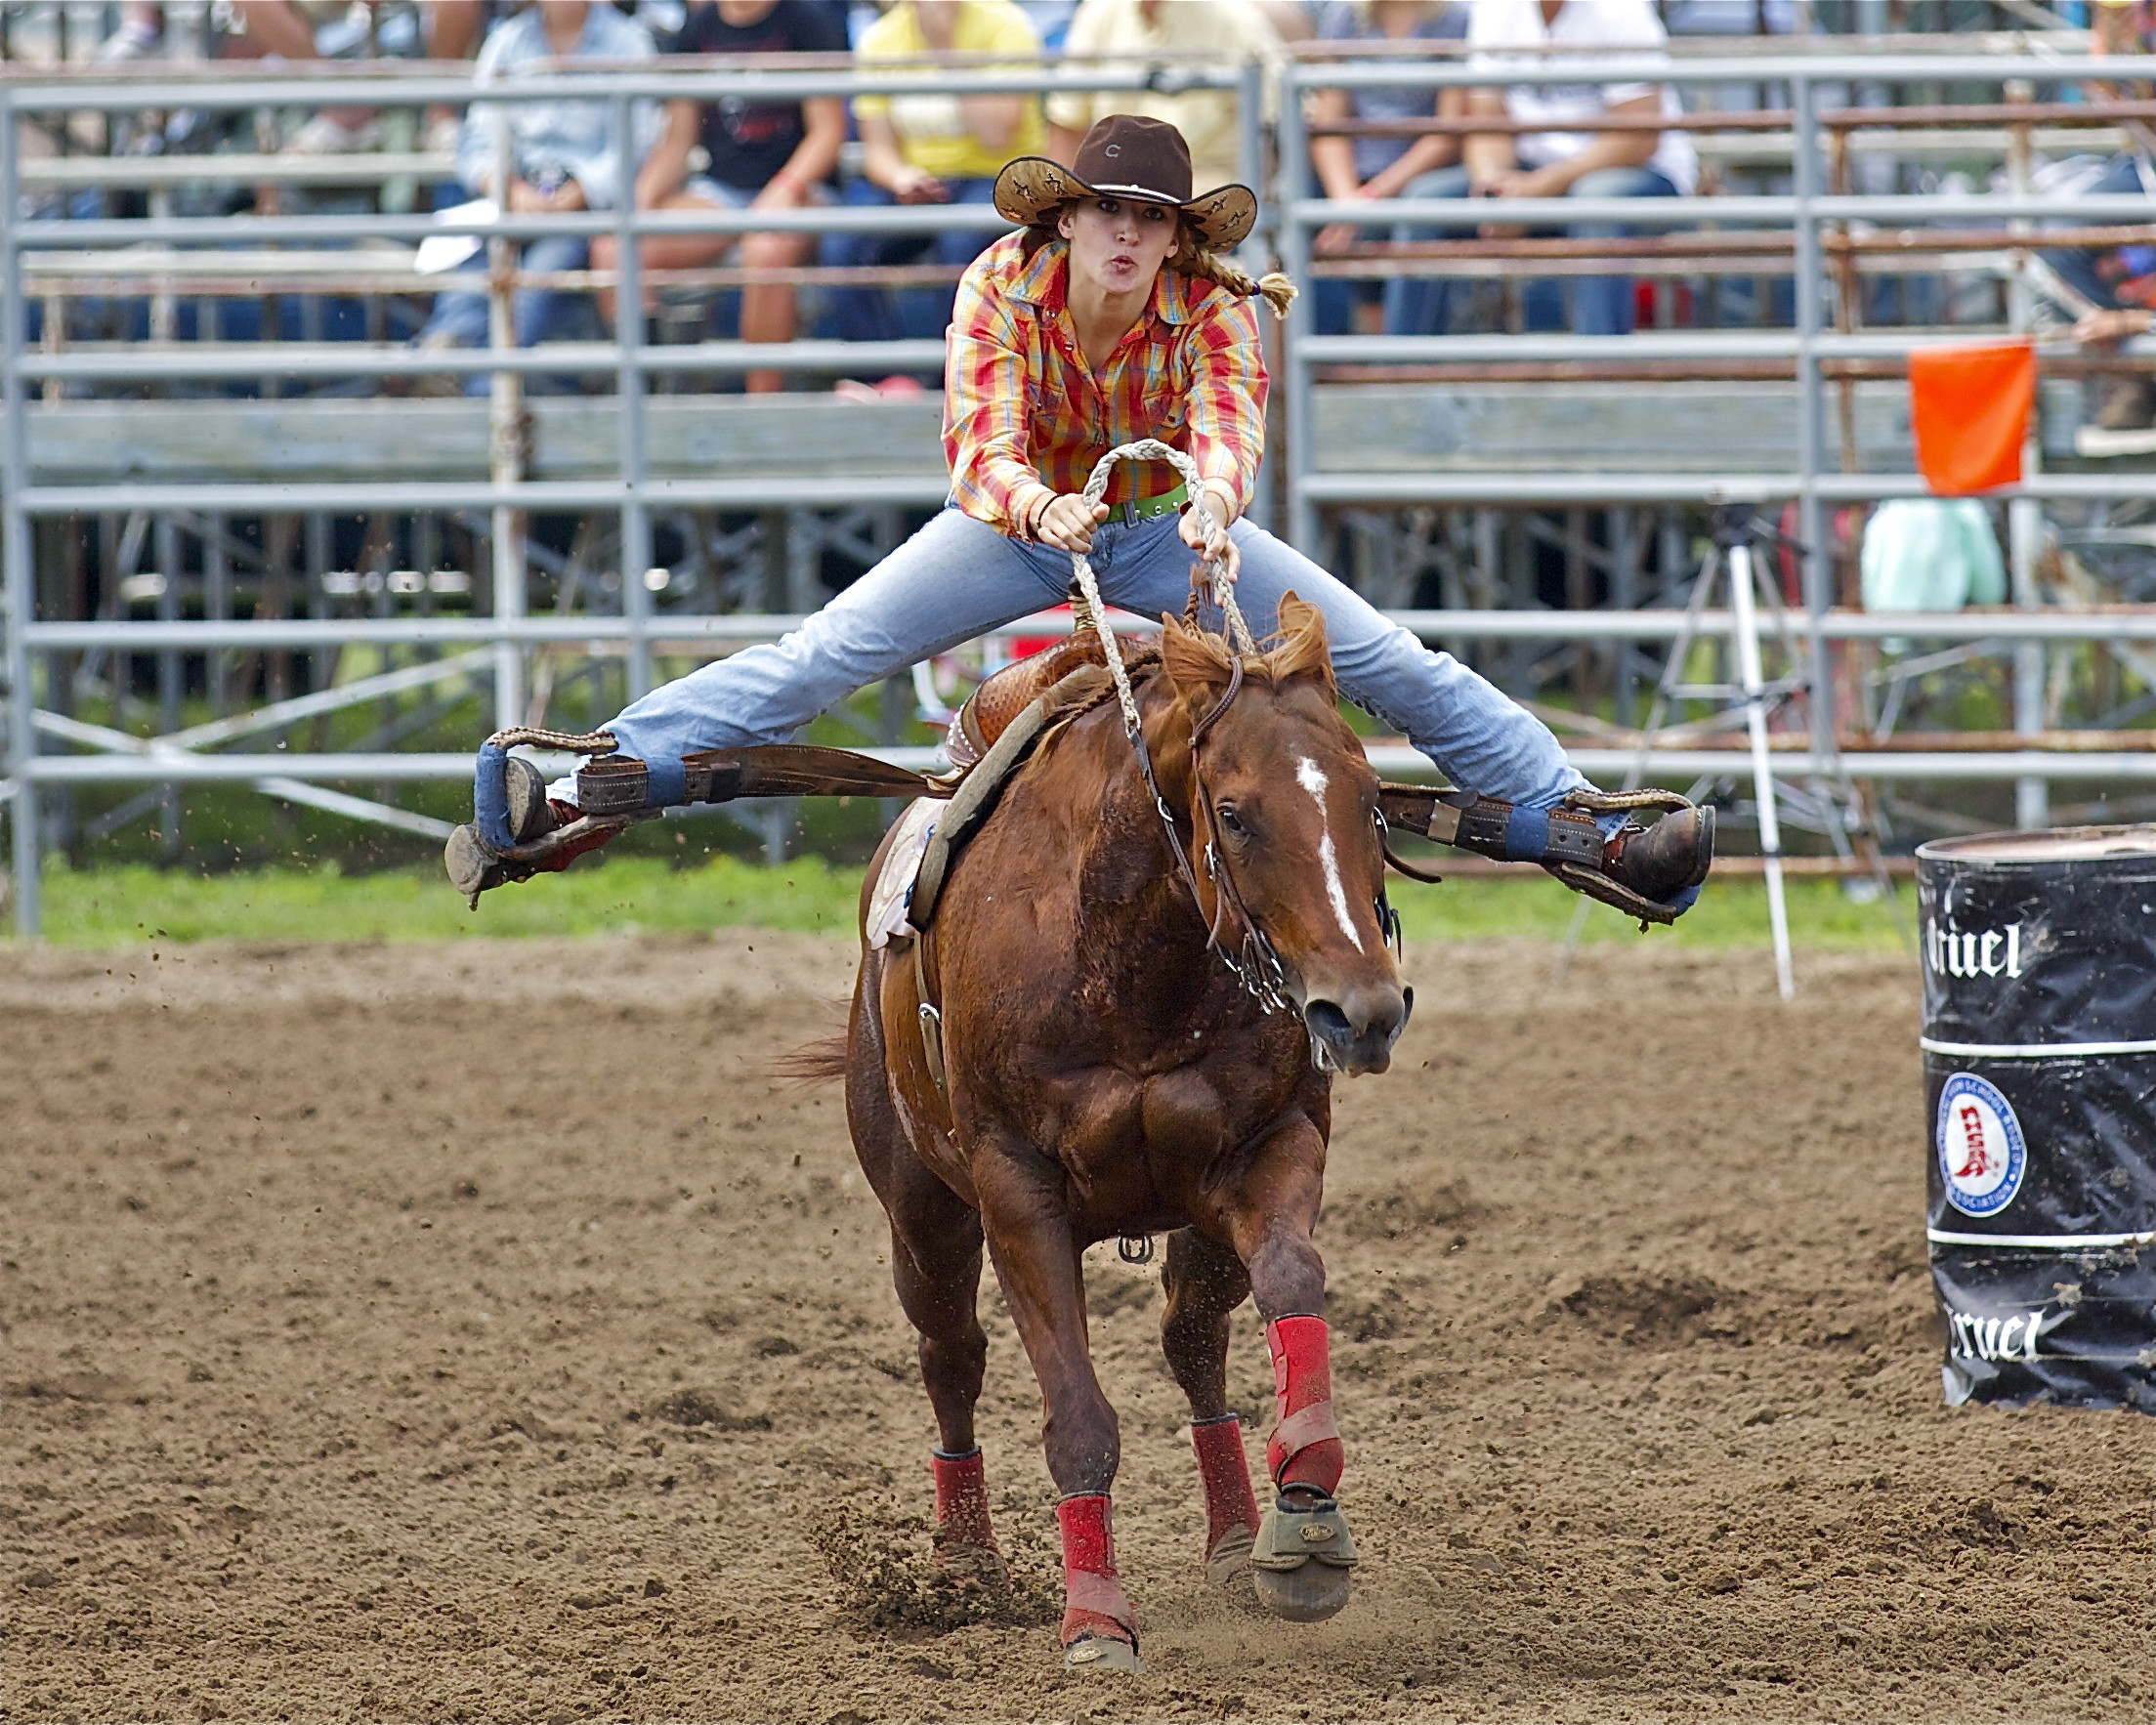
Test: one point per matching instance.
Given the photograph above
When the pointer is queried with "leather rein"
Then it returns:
(1252, 959)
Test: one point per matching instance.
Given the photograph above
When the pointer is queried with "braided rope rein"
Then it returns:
(569, 742)
(1092, 613)
(1258, 967)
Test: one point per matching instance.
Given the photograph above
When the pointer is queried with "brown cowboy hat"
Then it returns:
(1126, 155)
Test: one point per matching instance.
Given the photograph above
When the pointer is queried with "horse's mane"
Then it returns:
(1298, 648)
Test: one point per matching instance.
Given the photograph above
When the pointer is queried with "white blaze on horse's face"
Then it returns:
(1311, 776)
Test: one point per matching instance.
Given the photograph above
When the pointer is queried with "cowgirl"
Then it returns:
(1112, 315)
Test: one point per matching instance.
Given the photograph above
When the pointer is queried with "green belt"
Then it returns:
(1147, 508)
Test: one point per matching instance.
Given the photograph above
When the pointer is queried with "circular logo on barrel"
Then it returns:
(1981, 1152)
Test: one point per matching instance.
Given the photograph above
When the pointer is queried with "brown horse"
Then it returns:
(1108, 1070)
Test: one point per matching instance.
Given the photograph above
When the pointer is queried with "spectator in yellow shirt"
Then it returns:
(1229, 32)
(933, 147)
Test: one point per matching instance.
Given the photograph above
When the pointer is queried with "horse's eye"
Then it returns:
(1232, 823)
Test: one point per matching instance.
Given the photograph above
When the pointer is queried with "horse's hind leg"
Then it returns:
(1038, 1260)
(936, 1268)
(1204, 1283)
(936, 1265)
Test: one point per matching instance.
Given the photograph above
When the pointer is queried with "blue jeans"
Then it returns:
(958, 577)
(883, 314)
(539, 313)
(1601, 305)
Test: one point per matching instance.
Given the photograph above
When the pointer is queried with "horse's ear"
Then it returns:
(1303, 651)
(1195, 662)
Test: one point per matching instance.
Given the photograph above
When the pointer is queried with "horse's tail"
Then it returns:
(813, 1063)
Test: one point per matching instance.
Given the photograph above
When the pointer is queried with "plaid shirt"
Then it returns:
(1024, 414)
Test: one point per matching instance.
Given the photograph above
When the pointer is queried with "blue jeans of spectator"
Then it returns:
(958, 577)
(1601, 305)
(539, 313)
(881, 313)
(2078, 267)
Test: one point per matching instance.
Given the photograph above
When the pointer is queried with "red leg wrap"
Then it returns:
(1305, 1447)
(1093, 1600)
(962, 1499)
(1229, 1503)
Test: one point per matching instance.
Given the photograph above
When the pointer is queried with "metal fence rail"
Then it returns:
(1807, 211)
(634, 495)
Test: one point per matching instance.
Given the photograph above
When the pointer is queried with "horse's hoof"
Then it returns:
(1102, 1653)
(1303, 1559)
(1229, 1560)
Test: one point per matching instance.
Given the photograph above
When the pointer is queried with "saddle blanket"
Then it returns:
(892, 897)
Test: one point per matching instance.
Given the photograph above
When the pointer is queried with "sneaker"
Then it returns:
(326, 135)
(2128, 403)
(438, 385)
(129, 43)
(444, 133)
(890, 389)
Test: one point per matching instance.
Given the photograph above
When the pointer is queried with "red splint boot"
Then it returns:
(1231, 1506)
(1100, 1631)
(966, 1538)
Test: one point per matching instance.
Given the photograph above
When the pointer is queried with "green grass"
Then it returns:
(625, 895)
(1729, 913)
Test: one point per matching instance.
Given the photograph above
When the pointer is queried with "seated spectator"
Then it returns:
(1229, 32)
(454, 29)
(325, 29)
(932, 148)
(759, 155)
(1570, 159)
(1363, 170)
(446, 30)
(563, 157)
(141, 34)
(2118, 282)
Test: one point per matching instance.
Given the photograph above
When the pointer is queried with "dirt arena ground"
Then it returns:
(475, 1332)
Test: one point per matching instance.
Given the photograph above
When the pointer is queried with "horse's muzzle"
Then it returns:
(1353, 1030)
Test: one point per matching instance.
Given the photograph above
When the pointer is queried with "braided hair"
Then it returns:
(1193, 259)
(1189, 258)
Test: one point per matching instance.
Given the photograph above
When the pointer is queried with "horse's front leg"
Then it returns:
(1037, 1255)
(1304, 1552)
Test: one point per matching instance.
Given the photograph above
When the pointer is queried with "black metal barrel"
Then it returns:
(2039, 1095)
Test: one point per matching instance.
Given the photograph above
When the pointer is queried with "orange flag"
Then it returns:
(1969, 408)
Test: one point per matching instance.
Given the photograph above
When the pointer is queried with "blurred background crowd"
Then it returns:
(911, 149)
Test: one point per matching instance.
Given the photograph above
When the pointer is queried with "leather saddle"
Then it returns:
(1000, 698)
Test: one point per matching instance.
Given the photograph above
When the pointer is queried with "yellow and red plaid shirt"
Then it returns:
(1025, 415)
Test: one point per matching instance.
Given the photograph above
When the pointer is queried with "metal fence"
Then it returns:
(1810, 214)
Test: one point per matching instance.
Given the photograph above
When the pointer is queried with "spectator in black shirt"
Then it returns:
(776, 155)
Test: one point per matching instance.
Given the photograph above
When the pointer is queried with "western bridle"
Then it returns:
(1251, 959)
